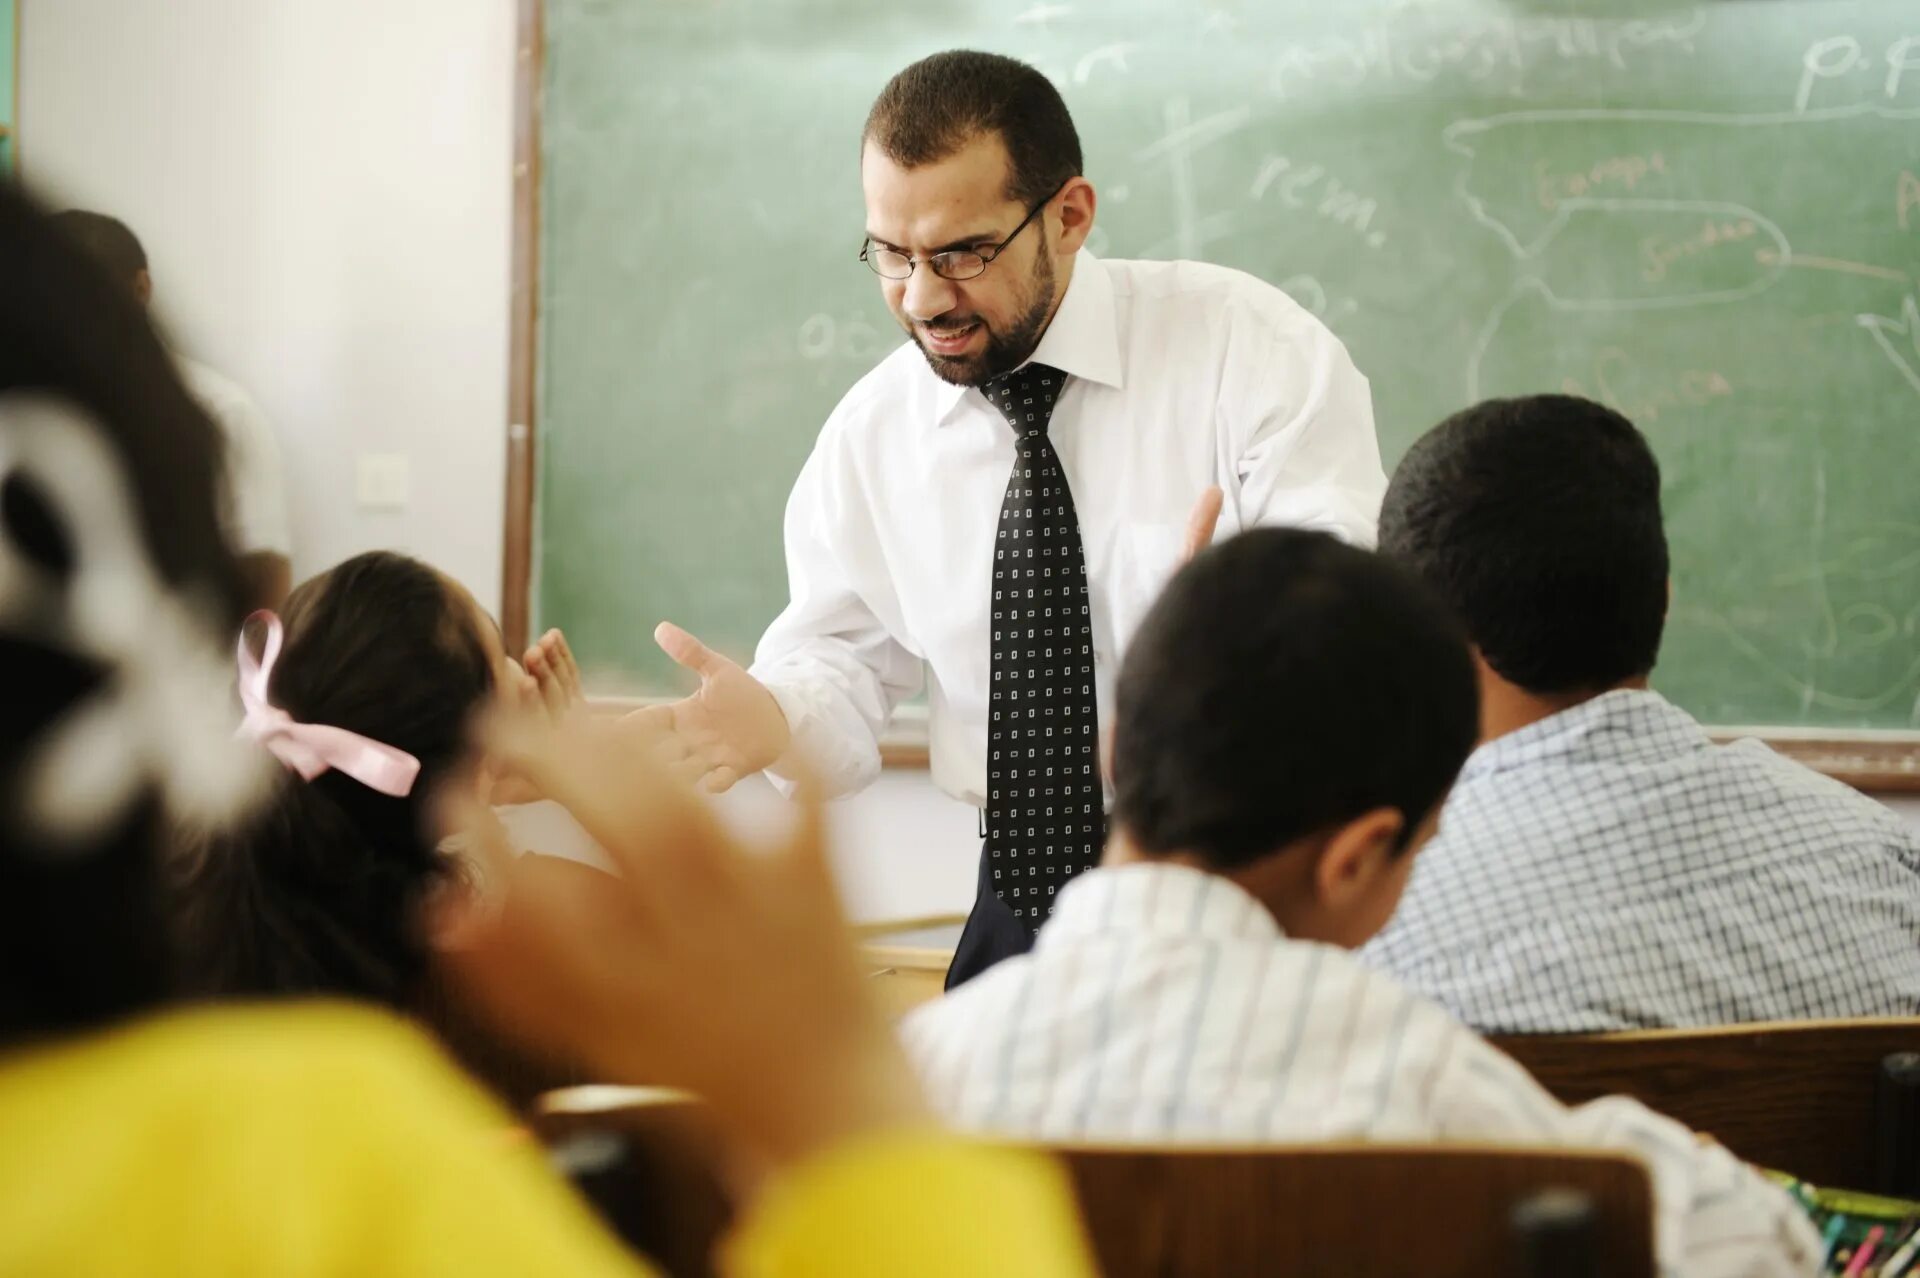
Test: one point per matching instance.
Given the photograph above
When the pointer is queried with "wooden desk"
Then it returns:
(908, 959)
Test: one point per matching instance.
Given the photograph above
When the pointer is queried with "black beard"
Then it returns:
(1005, 351)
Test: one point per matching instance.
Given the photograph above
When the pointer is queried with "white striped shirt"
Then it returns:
(1611, 868)
(1163, 1003)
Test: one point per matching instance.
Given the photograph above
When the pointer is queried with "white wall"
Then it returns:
(323, 188)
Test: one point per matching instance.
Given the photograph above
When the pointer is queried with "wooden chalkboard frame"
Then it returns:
(516, 588)
(1876, 762)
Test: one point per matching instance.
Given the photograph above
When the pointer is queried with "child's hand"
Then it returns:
(707, 965)
(555, 673)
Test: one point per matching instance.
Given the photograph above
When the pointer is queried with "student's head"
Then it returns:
(1538, 520)
(117, 594)
(320, 890)
(958, 150)
(112, 246)
(1291, 714)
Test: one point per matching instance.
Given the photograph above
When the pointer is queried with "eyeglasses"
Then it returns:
(953, 264)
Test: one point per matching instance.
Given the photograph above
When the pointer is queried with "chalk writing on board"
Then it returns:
(1219, 22)
(1479, 49)
(1838, 265)
(1659, 253)
(1111, 55)
(1898, 339)
(1312, 294)
(1810, 693)
(1468, 138)
(1906, 200)
(1613, 379)
(1888, 552)
(1841, 58)
(850, 337)
(1042, 15)
(1312, 187)
(1184, 135)
(1611, 175)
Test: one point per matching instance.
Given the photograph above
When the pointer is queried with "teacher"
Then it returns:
(993, 508)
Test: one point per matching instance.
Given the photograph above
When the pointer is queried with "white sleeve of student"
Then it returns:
(1306, 448)
(831, 664)
(1714, 1216)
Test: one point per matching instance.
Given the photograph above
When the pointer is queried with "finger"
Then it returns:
(560, 652)
(553, 689)
(1205, 517)
(687, 651)
(719, 780)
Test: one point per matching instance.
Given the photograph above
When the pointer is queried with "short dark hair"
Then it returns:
(1538, 520)
(320, 890)
(107, 240)
(941, 103)
(1286, 683)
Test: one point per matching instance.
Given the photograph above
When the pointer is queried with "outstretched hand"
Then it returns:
(729, 729)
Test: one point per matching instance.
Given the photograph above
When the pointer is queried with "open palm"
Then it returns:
(730, 728)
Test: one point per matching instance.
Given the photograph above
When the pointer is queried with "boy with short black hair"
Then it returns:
(1604, 865)
(1289, 719)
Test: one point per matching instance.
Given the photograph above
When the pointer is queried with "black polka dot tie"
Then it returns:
(1045, 818)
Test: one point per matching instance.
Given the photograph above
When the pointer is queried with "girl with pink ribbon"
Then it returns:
(365, 692)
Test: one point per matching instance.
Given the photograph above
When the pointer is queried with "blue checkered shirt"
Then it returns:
(1611, 868)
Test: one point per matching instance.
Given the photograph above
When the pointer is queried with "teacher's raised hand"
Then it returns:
(1201, 523)
(729, 729)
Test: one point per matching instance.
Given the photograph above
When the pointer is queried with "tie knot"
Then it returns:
(1025, 397)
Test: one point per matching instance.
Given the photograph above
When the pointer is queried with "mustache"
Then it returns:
(945, 324)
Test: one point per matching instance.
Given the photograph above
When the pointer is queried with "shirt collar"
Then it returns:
(1082, 341)
(1627, 724)
(1159, 899)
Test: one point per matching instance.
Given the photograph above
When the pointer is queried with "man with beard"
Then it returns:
(994, 507)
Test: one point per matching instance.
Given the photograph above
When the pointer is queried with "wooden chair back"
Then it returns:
(653, 1166)
(655, 1169)
(1361, 1211)
(1795, 1096)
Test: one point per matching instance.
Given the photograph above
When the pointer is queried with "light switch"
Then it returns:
(382, 481)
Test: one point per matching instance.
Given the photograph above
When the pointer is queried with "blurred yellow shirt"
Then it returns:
(298, 1140)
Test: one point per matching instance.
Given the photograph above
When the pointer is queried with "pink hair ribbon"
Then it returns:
(313, 748)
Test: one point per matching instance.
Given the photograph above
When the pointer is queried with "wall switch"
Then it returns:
(381, 482)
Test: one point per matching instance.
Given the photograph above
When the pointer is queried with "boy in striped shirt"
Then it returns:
(1289, 720)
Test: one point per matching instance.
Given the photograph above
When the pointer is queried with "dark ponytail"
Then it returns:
(319, 890)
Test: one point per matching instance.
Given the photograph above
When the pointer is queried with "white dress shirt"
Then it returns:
(1181, 375)
(1611, 868)
(253, 507)
(1163, 1003)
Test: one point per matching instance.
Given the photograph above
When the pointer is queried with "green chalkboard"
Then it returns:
(9, 83)
(1708, 216)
